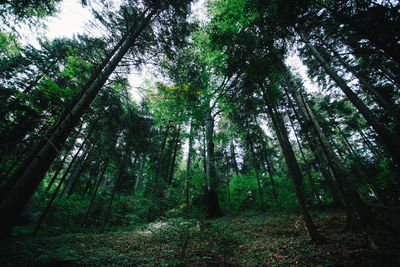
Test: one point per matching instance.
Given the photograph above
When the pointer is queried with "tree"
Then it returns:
(48, 149)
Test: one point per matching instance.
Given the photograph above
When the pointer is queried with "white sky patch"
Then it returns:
(297, 66)
(199, 11)
(72, 19)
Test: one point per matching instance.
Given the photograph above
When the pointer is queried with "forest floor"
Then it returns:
(243, 240)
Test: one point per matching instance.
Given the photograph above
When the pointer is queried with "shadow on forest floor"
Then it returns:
(257, 240)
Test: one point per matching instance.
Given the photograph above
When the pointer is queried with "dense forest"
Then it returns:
(234, 156)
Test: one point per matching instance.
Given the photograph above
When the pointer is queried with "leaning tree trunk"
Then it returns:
(390, 141)
(388, 44)
(293, 167)
(358, 213)
(319, 157)
(117, 184)
(96, 189)
(214, 209)
(44, 213)
(306, 163)
(366, 85)
(31, 177)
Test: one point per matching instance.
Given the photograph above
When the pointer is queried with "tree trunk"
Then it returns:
(139, 178)
(358, 214)
(99, 180)
(269, 169)
(29, 180)
(234, 165)
(293, 167)
(163, 145)
(76, 175)
(53, 179)
(371, 147)
(58, 188)
(214, 209)
(189, 159)
(366, 85)
(255, 166)
(388, 44)
(319, 158)
(390, 141)
(306, 163)
(108, 213)
(204, 152)
(171, 173)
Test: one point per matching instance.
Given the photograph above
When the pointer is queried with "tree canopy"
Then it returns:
(226, 126)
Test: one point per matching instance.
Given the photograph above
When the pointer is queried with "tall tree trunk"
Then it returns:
(60, 168)
(44, 213)
(319, 157)
(108, 213)
(117, 183)
(99, 180)
(255, 166)
(267, 160)
(29, 180)
(75, 171)
(371, 147)
(140, 175)
(162, 152)
(388, 44)
(214, 209)
(390, 141)
(177, 140)
(358, 214)
(366, 85)
(189, 159)
(228, 192)
(77, 174)
(293, 167)
(306, 163)
(204, 152)
(234, 165)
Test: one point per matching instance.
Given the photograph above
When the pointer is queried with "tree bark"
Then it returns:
(388, 44)
(358, 214)
(189, 159)
(306, 163)
(177, 140)
(234, 165)
(214, 209)
(140, 175)
(255, 166)
(319, 157)
(293, 167)
(58, 188)
(390, 141)
(366, 85)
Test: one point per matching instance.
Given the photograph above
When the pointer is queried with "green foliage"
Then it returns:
(243, 189)
(8, 44)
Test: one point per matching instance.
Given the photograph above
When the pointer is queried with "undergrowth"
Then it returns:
(243, 240)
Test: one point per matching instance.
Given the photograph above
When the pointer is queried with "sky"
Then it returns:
(71, 20)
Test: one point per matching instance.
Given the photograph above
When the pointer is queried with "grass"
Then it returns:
(243, 240)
